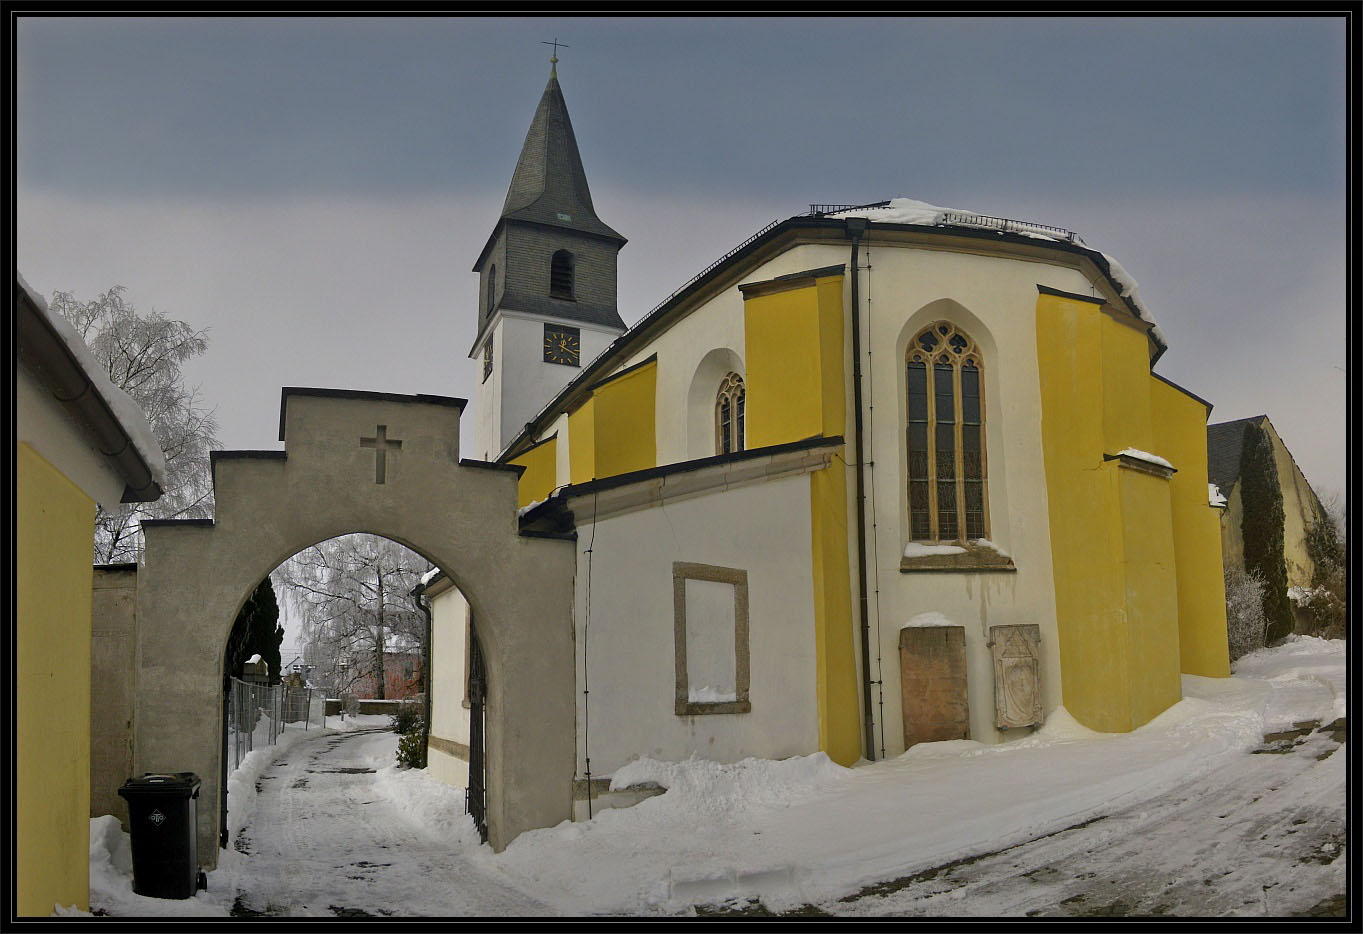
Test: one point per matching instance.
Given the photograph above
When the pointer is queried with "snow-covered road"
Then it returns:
(1220, 806)
(324, 842)
(1262, 835)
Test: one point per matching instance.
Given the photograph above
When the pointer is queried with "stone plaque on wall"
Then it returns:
(1017, 675)
(933, 684)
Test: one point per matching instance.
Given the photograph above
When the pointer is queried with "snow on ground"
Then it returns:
(791, 832)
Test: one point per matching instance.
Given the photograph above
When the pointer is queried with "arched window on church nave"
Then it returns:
(561, 275)
(729, 417)
(945, 436)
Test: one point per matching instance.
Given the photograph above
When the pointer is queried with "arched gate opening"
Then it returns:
(388, 465)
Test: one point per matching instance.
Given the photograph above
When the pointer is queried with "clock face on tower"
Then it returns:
(562, 345)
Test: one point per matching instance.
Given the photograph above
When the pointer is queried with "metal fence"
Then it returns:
(258, 713)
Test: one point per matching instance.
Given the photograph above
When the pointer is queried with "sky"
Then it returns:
(314, 191)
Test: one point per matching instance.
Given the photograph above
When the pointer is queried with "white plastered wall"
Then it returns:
(627, 643)
(525, 383)
(449, 715)
(994, 300)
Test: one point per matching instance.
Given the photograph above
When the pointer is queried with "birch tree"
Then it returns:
(144, 355)
(353, 594)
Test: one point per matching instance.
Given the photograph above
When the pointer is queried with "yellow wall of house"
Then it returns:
(1149, 577)
(540, 476)
(795, 385)
(626, 413)
(1181, 434)
(54, 523)
(582, 443)
(834, 637)
(1111, 526)
(614, 431)
(794, 349)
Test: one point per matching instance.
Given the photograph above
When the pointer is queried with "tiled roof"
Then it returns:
(1224, 443)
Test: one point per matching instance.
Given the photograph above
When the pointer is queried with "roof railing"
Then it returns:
(819, 210)
(968, 219)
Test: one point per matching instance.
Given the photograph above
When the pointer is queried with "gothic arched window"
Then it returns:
(491, 287)
(561, 275)
(945, 436)
(729, 404)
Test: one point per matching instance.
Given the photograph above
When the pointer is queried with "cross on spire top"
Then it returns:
(553, 62)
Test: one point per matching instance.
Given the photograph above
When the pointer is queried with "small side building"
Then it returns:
(1226, 443)
(79, 441)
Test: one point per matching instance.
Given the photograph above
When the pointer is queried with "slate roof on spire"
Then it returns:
(549, 183)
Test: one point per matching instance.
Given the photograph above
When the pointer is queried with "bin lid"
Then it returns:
(177, 784)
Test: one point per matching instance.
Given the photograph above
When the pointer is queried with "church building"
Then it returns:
(883, 474)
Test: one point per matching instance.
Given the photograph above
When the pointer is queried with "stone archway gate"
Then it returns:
(388, 465)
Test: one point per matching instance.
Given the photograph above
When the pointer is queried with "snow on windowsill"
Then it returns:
(919, 550)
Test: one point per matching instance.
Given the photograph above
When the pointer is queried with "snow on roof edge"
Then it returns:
(909, 211)
(126, 412)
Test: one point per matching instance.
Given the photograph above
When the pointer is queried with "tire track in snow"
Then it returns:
(326, 844)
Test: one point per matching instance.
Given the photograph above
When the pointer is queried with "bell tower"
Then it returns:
(546, 281)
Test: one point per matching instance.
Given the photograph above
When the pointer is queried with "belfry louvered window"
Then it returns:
(561, 275)
(729, 415)
(945, 435)
(491, 289)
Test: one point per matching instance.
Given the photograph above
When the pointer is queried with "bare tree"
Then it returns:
(1246, 624)
(144, 355)
(354, 596)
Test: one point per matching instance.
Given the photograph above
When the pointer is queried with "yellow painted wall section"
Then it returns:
(793, 342)
(1148, 574)
(54, 526)
(626, 419)
(582, 443)
(1126, 387)
(1086, 542)
(541, 473)
(1112, 536)
(796, 389)
(833, 417)
(1180, 426)
(834, 635)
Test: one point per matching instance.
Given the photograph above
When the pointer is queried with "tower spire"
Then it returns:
(553, 62)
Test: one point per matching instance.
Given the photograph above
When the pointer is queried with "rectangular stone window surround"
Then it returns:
(682, 571)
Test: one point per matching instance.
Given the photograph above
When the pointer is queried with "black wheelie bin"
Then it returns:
(163, 820)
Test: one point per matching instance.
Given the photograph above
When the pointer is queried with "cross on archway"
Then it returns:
(381, 444)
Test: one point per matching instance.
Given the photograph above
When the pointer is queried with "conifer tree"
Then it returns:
(256, 632)
(1261, 527)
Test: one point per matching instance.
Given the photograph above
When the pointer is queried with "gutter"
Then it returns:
(856, 226)
(44, 352)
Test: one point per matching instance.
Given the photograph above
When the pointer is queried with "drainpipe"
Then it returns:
(856, 226)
